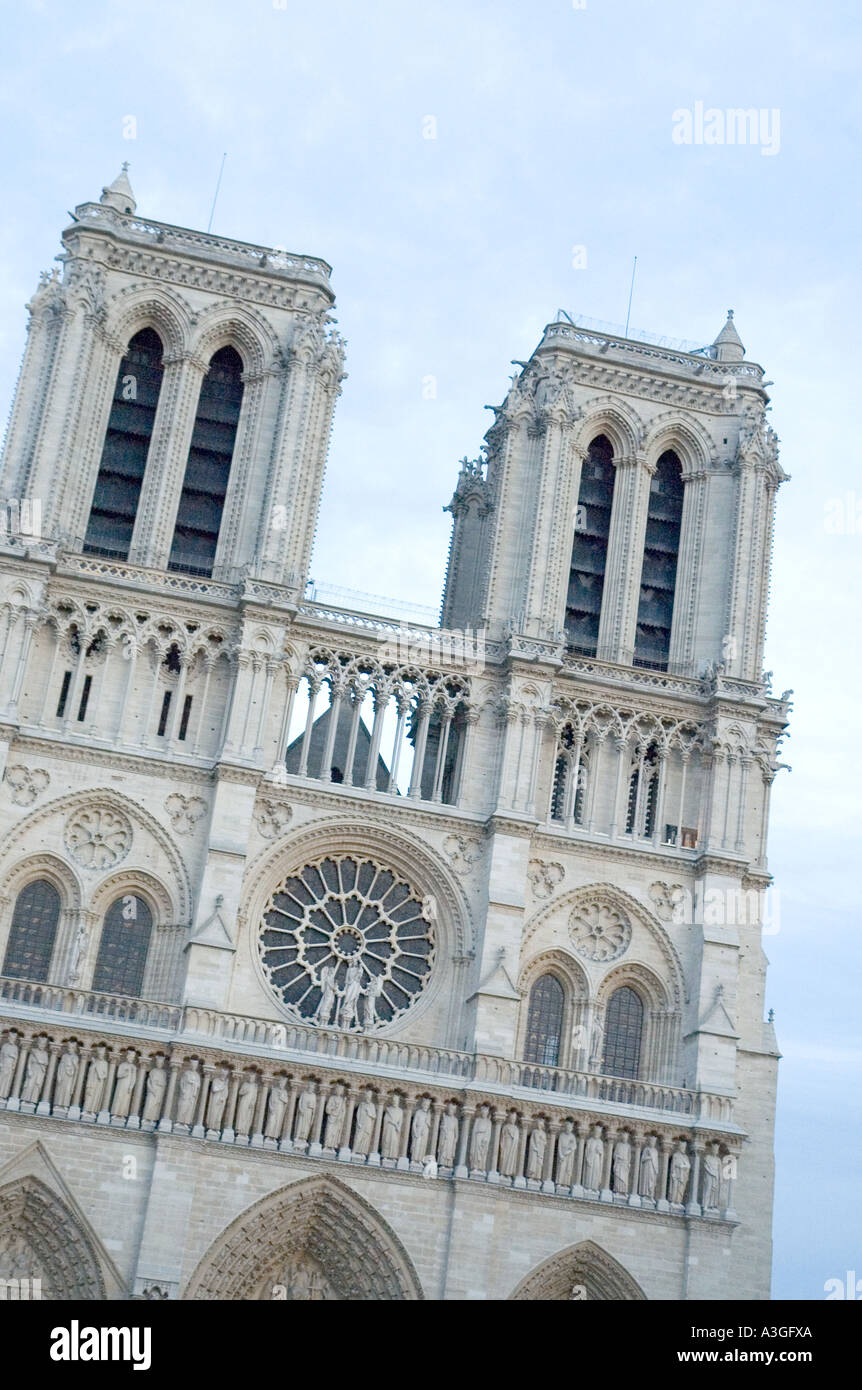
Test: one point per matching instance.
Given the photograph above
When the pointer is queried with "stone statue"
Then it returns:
(372, 994)
(393, 1119)
(157, 1079)
(680, 1167)
(480, 1140)
(711, 1177)
(597, 1046)
(447, 1144)
(8, 1063)
(649, 1169)
(34, 1075)
(67, 1075)
(420, 1130)
(594, 1157)
(127, 1075)
(94, 1090)
(323, 1012)
(536, 1147)
(245, 1100)
(567, 1146)
(275, 1108)
(79, 950)
(621, 1165)
(334, 1111)
(217, 1099)
(190, 1085)
(510, 1137)
(366, 1114)
(305, 1112)
(347, 1010)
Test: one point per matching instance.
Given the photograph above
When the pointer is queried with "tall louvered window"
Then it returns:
(208, 468)
(123, 947)
(658, 576)
(34, 927)
(623, 1033)
(544, 1022)
(127, 443)
(590, 548)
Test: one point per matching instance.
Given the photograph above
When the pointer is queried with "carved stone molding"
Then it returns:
(184, 811)
(545, 878)
(26, 784)
(320, 1222)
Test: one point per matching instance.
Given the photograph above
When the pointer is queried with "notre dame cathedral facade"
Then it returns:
(343, 958)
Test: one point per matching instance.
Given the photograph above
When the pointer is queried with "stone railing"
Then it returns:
(272, 260)
(693, 364)
(358, 1051)
(440, 1127)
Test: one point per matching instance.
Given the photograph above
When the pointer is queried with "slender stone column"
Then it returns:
(666, 1149)
(467, 1113)
(693, 1207)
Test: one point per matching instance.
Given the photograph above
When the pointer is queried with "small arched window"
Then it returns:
(127, 443)
(34, 928)
(205, 484)
(590, 547)
(658, 575)
(123, 947)
(545, 1022)
(624, 1024)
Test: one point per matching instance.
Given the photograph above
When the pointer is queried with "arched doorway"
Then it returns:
(41, 1239)
(583, 1273)
(315, 1240)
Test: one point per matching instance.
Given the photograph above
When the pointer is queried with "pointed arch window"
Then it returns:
(590, 547)
(33, 931)
(545, 1022)
(205, 484)
(624, 1025)
(127, 444)
(641, 809)
(123, 947)
(658, 574)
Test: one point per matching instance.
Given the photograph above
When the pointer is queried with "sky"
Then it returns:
(468, 169)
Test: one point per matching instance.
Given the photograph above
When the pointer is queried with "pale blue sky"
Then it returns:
(553, 131)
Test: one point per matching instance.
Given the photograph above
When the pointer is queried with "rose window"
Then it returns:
(599, 931)
(98, 838)
(347, 943)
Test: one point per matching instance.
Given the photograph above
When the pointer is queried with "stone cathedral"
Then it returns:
(348, 958)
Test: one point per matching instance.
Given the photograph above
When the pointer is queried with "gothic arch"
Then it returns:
(150, 306)
(239, 327)
(652, 991)
(413, 860)
(41, 1238)
(584, 1266)
(614, 418)
(587, 893)
(692, 444)
(318, 1219)
(43, 865)
(108, 797)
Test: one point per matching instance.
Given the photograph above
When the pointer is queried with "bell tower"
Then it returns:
(623, 506)
(176, 397)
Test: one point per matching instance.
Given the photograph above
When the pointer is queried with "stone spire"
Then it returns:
(119, 194)
(728, 345)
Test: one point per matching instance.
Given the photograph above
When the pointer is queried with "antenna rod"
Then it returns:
(215, 196)
(631, 292)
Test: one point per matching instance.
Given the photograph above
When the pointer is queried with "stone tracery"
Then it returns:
(343, 930)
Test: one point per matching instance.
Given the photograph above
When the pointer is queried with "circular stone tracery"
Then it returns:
(345, 941)
(599, 932)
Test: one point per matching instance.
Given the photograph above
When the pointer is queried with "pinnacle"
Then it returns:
(119, 194)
